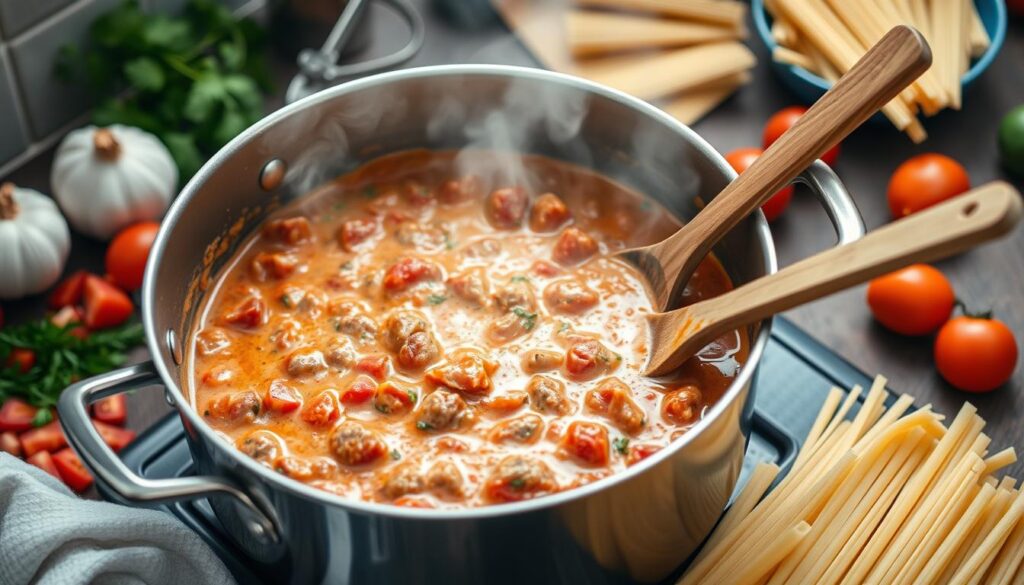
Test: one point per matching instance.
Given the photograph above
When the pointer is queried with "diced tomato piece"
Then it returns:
(9, 443)
(361, 390)
(43, 460)
(507, 402)
(587, 442)
(416, 193)
(355, 232)
(545, 269)
(638, 453)
(116, 438)
(683, 405)
(549, 212)
(69, 291)
(105, 304)
(112, 410)
(293, 230)
(22, 359)
(409, 271)
(375, 365)
(412, 502)
(281, 398)
(48, 437)
(249, 314)
(582, 357)
(16, 415)
(323, 410)
(273, 265)
(72, 471)
(393, 399)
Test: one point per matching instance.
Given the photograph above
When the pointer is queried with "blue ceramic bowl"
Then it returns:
(809, 87)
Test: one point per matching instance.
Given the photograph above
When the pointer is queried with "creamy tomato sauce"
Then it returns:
(416, 335)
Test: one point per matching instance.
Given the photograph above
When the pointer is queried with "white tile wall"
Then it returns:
(36, 108)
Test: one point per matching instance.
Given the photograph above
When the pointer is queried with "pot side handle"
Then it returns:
(838, 204)
(73, 410)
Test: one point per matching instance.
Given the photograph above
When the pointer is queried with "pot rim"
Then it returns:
(156, 342)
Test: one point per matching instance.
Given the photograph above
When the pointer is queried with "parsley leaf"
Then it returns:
(436, 299)
(621, 445)
(528, 319)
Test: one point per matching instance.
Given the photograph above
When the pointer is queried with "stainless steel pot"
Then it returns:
(635, 526)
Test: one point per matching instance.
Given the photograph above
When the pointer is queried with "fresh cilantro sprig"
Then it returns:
(196, 81)
(62, 358)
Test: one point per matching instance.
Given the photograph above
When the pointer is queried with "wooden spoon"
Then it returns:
(945, 229)
(888, 67)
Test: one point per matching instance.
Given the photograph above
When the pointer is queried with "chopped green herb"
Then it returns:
(395, 455)
(347, 266)
(517, 483)
(449, 243)
(336, 323)
(424, 425)
(436, 299)
(563, 327)
(526, 431)
(519, 278)
(528, 319)
(43, 416)
(621, 445)
(61, 358)
(412, 396)
(381, 407)
(287, 301)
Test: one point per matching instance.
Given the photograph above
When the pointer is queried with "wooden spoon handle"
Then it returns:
(943, 230)
(888, 67)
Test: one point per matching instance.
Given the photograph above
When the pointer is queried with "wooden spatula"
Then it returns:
(888, 67)
(943, 230)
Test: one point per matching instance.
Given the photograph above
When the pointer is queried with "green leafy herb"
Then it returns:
(436, 299)
(517, 483)
(395, 455)
(621, 445)
(424, 425)
(519, 278)
(43, 416)
(196, 81)
(563, 327)
(528, 319)
(61, 358)
(287, 301)
(412, 396)
(381, 407)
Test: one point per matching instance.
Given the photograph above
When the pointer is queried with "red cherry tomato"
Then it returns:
(16, 415)
(43, 460)
(68, 292)
(923, 181)
(72, 471)
(975, 354)
(48, 437)
(112, 410)
(741, 159)
(128, 252)
(782, 121)
(22, 359)
(916, 300)
(105, 304)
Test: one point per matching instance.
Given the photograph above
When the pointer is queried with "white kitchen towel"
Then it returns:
(49, 536)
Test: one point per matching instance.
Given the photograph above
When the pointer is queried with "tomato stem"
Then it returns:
(959, 304)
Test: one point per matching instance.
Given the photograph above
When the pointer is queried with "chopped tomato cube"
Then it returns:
(69, 291)
(293, 230)
(105, 304)
(407, 272)
(573, 246)
(48, 437)
(72, 471)
(587, 442)
(375, 365)
(281, 398)
(323, 410)
(249, 314)
(22, 359)
(361, 390)
(393, 399)
(638, 453)
(506, 207)
(112, 410)
(43, 460)
(545, 269)
(9, 443)
(116, 438)
(355, 232)
(16, 415)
